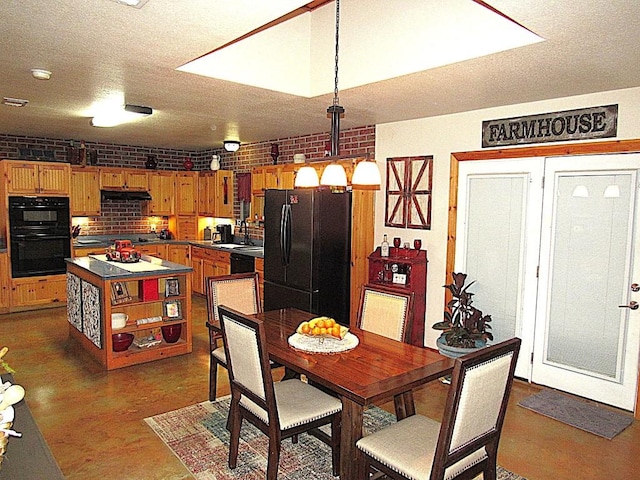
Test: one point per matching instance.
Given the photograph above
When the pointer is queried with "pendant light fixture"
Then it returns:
(231, 145)
(334, 174)
(306, 177)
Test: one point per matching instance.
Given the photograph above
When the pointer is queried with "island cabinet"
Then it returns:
(153, 298)
(42, 178)
(208, 262)
(85, 191)
(124, 179)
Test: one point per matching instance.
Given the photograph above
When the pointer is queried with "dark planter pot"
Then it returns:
(455, 352)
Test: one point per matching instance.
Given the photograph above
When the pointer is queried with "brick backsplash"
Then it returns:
(126, 216)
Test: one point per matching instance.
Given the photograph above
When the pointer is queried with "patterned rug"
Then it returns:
(198, 437)
(581, 414)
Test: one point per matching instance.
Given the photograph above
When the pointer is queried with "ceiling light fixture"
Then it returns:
(14, 102)
(366, 174)
(231, 145)
(40, 74)
(307, 177)
(131, 3)
(112, 118)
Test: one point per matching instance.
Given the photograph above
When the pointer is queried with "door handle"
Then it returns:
(632, 305)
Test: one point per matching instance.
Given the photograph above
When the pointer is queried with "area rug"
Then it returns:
(578, 413)
(198, 437)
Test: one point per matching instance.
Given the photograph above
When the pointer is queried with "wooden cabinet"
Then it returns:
(146, 316)
(405, 270)
(85, 192)
(208, 262)
(162, 190)
(124, 179)
(259, 268)
(215, 194)
(180, 254)
(43, 178)
(38, 291)
(158, 251)
(4, 283)
(184, 227)
(86, 251)
(186, 193)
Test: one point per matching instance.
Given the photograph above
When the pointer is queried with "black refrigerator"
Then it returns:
(307, 251)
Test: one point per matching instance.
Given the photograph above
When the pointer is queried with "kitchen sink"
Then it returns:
(248, 248)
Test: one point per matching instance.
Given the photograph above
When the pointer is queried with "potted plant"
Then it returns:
(464, 327)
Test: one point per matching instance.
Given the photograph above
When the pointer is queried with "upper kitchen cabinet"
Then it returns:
(28, 178)
(186, 196)
(85, 191)
(162, 187)
(215, 192)
(124, 179)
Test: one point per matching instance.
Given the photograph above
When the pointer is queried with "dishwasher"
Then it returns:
(242, 263)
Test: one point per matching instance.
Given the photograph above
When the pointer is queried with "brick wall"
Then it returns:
(126, 216)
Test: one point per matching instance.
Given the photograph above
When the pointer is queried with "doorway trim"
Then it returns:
(572, 149)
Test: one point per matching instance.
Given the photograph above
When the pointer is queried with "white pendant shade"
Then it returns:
(306, 177)
(334, 176)
(366, 173)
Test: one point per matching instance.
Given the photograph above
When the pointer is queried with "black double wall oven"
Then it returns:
(39, 235)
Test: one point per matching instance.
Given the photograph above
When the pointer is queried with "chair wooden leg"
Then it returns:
(335, 444)
(213, 378)
(273, 459)
(236, 423)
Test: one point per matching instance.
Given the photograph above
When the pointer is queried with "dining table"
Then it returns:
(375, 370)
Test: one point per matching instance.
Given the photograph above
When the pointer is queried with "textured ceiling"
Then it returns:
(97, 48)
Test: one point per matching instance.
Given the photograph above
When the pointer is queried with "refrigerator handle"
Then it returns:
(287, 229)
(283, 239)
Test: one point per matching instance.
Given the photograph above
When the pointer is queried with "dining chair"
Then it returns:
(465, 443)
(239, 291)
(386, 311)
(279, 409)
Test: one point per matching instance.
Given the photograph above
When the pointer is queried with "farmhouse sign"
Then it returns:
(582, 124)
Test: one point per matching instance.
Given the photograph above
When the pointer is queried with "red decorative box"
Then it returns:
(148, 289)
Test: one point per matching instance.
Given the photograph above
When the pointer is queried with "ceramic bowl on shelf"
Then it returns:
(119, 320)
(171, 333)
(121, 341)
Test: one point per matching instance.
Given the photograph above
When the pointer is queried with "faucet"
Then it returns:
(247, 239)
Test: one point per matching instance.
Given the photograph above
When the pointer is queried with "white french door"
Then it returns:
(554, 264)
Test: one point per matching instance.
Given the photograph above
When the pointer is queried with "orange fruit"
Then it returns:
(316, 330)
(323, 331)
(335, 331)
(320, 323)
(305, 328)
(329, 323)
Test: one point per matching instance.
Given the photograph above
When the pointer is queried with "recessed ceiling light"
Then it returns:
(131, 3)
(231, 145)
(40, 74)
(14, 102)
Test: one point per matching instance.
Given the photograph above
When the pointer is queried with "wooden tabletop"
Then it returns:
(377, 369)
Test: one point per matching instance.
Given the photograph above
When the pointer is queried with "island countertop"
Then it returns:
(147, 266)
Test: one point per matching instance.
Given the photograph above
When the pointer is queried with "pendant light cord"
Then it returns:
(336, 100)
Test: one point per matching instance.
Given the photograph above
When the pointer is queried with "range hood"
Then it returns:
(124, 195)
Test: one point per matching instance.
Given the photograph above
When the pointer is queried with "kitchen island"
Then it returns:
(155, 296)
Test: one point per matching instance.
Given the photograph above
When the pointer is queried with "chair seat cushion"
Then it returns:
(298, 403)
(408, 447)
(220, 356)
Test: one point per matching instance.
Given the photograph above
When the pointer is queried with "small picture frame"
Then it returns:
(172, 309)
(119, 293)
(172, 287)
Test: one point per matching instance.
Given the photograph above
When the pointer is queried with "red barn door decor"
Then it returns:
(408, 202)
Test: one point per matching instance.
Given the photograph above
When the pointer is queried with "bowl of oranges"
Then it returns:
(322, 327)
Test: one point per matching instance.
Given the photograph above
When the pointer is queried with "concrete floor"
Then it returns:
(93, 419)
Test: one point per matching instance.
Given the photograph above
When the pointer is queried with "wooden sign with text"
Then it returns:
(582, 124)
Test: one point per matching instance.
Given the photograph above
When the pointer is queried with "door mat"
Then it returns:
(578, 413)
(197, 435)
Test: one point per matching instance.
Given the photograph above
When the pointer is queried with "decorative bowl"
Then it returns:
(121, 341)
(171, 333)
(119, 320)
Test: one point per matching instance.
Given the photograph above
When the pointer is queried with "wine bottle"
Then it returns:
(384, 247)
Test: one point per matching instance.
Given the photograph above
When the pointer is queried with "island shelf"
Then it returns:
(151, 299)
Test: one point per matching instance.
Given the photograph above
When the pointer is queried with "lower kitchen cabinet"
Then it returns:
(158, 251)
(4, 283)
(38, 291)
(207, 262)
(179, 254)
